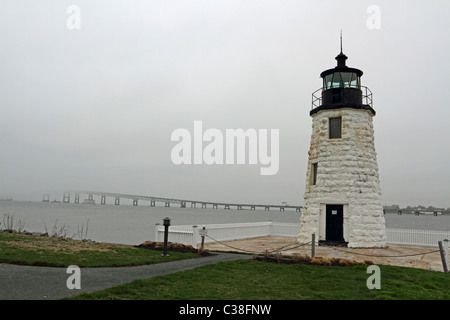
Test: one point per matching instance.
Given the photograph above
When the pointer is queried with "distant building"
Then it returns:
(392, 207)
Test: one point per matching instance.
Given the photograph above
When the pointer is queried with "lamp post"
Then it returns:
(166, 235)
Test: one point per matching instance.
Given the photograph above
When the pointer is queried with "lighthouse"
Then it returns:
(342, 199)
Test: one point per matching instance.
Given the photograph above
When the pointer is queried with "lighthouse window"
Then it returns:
(341, 80)
(355, 81)
(349, 79)
(313, 173)
(334, 126)
(328, 81)
(337, 80)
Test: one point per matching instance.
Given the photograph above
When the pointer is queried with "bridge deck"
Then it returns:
(168, 201)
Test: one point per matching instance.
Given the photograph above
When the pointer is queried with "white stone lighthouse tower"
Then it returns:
(342, 201)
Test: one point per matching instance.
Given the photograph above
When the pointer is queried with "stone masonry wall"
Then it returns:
(347, 173)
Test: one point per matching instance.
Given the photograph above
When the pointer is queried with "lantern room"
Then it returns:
(341, 76)
(342, 88)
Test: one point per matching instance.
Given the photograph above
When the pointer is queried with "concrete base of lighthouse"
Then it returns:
(342, 201)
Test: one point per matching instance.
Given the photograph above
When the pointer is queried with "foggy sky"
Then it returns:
(94, 108)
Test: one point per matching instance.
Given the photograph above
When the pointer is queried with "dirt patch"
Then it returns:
(57, 246)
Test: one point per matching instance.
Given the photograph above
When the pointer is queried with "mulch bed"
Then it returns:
(178, 247)
(319, 261)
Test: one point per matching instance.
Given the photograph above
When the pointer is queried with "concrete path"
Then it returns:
(48, 283)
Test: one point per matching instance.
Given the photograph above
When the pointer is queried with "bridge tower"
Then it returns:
(342, 199)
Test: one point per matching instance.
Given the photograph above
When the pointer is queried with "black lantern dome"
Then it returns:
(342, 88)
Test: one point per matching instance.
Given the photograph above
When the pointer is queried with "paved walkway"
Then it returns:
(47, 283)
(398, 255)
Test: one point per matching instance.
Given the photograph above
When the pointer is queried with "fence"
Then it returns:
(416, 237)
(226, 232)
(189, 235)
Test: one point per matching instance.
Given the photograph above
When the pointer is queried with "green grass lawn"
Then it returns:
(256, 280)
(238, 280)
(48, 251)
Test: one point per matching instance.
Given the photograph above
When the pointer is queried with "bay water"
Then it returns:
(133, 225)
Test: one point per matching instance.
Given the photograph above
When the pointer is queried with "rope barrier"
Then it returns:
(336, 249)
(274, 250)
(388, 256)
(296, 243)
(222, 243)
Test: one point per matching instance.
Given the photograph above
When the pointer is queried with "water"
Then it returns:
(125, 223)
(135, 224)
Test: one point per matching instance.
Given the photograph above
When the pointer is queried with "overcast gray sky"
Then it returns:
(94, 108)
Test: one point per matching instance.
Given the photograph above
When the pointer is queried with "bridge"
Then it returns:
(167, 201)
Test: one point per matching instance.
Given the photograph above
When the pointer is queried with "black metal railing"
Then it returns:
(367, 98)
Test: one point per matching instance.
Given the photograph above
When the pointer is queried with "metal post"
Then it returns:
(443, 256)
(313, 245)
(166, 235)
(446, 253)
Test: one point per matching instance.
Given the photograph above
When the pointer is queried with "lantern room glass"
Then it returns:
(341, 80)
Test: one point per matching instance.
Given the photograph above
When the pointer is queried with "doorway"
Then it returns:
(334, 229)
